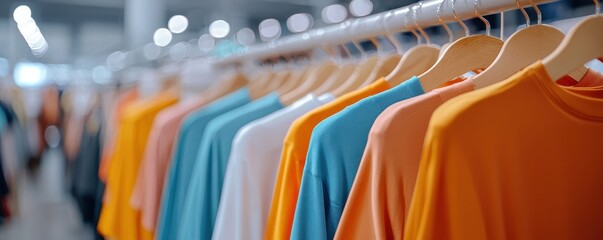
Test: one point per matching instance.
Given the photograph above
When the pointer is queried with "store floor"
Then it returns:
(46, 210)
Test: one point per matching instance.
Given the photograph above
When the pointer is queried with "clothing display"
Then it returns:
(517, 193)
(293, 159)
(369, 127)
(183, 160)
(251, 171)
(333, 159)
(118, 218)
(149, 183)
(389, 164)
(110, 134)
(207, 178)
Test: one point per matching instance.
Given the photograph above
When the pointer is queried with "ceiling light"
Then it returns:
(219, 29)
(117, 60)
(22, 13)
(361, 8)
(299, 22)
(270, 29)
(178, 24)
(335, 13)
(206, 43)
(162, 37)
(245, 37)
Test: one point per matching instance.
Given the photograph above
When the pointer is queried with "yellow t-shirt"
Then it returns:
(520, 159)
(293, 159)
(118, 220)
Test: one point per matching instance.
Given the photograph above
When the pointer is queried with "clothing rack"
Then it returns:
(397, 20)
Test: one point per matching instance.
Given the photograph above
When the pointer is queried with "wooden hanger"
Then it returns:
(414, 61)
(337, 78)
(233, 83)
(283, 72)
(314, 80)
(293, 80)
(383, 67)
(464, 55)
(385, 64)
(261, 86)
(297, 79)
(523, 48)
(280, 80)
(582, 44)
(447, 29)
(360, 74)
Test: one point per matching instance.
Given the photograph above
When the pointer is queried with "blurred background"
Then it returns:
(60, 60)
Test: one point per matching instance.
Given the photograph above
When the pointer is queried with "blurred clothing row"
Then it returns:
(382, 161)
(476, 140)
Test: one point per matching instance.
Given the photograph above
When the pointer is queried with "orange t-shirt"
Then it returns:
(118, 219)
(293, 159)
(590, 79)
(391, 162)
(496, 164)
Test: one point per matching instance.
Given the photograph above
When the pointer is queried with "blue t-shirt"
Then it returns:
(205, 188)
(335, 151)
(183, 159)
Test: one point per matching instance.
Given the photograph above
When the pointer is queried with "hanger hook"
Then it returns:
(412, 30)
(444, 25)
(465, 28)
(523, 11)
(377, 44)
(414, 19)
(486, 22)
(538, 13)
(388, 34)
(597, 7)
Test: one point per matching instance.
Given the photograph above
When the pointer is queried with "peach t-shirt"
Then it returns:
(496, 164)
(158, 152)
(293, 158)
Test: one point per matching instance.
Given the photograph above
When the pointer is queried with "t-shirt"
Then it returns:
(335, 152)
(118, 219)
(382, 190)
(183, 159)
(520, 159)
(123, 101)
(293, 159)
(204, 190)
(156, 158)
(251, 171)
(591, 78)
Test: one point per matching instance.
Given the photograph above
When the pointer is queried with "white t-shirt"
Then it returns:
(251, 171)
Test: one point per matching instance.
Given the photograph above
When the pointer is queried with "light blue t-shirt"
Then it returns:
(183, 159)
(335, 151)
(204, 190)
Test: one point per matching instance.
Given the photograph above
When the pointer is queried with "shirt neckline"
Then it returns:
(573, 103)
